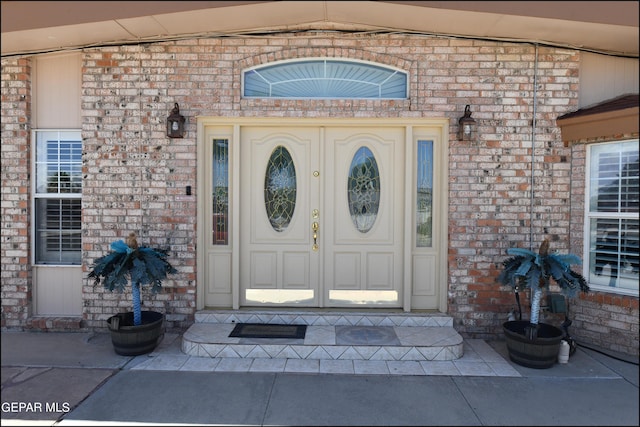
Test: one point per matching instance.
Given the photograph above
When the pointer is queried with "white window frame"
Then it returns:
(72, 257)
(601, 283)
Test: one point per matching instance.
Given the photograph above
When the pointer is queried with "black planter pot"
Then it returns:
(540, 353)
(130, 340)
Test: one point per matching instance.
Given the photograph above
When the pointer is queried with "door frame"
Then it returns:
(218, 267)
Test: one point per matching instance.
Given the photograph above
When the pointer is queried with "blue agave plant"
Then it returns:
(128, 262)
(527, 269)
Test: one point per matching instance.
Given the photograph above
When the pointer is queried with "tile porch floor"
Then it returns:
(478, 359)
(183, 353)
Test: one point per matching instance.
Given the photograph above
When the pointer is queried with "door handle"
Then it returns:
(314, 228)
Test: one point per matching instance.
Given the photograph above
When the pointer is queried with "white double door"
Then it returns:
(321, 216)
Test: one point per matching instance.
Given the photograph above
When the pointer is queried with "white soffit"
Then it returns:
(256, 17)
(60, 38)
(247, 18)
(587, 35)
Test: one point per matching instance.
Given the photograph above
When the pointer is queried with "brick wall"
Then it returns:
(15, 253)
(136, 177)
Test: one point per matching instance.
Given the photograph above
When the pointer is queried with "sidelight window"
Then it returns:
(220, 196)
(424, 196)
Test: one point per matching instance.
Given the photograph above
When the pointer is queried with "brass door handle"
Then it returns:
(314, 228)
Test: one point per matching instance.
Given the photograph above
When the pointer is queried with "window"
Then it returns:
(612, 216)
(280, 188)
(424, 196)
(325, 78)
(57, 197)
(363, 189)
(220, 196)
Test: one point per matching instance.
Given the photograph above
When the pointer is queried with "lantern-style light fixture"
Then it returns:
(466, 125)
(175, 123)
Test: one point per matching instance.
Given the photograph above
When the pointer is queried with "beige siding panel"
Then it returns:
(58, 80)
(605, 77)
(58, 291)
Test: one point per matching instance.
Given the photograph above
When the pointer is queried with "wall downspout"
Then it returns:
(533, 162)
(533, 148)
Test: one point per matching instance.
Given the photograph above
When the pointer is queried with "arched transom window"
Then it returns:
(325, 78)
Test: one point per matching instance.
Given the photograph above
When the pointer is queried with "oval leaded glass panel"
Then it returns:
(363, 189)
(280, 188)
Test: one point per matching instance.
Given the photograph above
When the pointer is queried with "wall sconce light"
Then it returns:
(175, 123)
(466, 125)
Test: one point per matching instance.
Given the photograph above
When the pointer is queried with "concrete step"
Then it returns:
(329, 336)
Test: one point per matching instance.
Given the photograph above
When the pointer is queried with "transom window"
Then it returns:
(325, 78)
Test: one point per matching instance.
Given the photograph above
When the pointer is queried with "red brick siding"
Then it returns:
(136, 177)
(15, 252)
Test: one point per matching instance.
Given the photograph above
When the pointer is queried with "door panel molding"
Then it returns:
(385, 236)
(291, 264)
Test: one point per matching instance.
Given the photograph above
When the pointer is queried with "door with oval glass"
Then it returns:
(321, 216)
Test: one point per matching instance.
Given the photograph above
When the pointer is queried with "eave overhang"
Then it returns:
(619, 116)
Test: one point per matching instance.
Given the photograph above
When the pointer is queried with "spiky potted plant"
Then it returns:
(135, 332)
(532, 343)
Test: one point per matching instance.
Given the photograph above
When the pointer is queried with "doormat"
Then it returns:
(262, 330)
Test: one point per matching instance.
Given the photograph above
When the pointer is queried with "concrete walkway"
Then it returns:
(77, 379)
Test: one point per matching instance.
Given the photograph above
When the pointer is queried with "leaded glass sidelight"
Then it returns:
(220, 196)
(280, 188)
(424, 196)
(363, 189)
